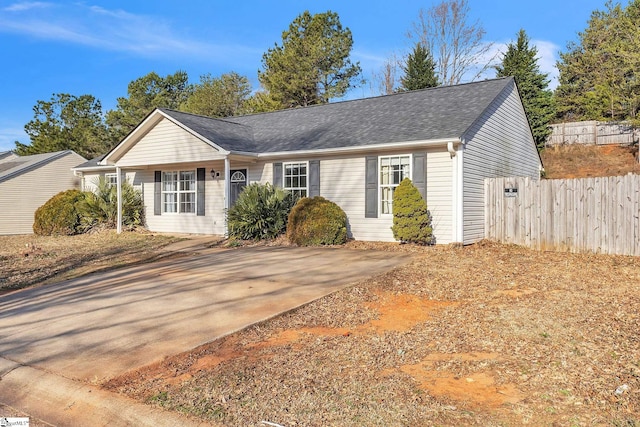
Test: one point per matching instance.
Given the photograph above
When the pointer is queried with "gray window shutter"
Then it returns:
(277, 175)
(200, 177)
(314, 178)
(371, 187)
(420, 173)
(157, 192)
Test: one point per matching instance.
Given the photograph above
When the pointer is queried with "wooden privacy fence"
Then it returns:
(593, 133)
(600, 215)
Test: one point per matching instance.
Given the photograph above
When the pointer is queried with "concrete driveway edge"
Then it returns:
(64, 402)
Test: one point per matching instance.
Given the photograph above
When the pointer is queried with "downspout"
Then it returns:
(119, 193)
(457, 190)
(227, 193)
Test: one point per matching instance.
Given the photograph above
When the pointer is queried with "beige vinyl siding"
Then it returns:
(89, 179)
(342, 180)
(439, 193)
(213, 220)
(500, 144)
(168, 143)
(25, 193)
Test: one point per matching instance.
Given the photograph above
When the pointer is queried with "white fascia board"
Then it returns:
(363, 148)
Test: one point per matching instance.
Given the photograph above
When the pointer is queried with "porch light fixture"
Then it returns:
(214, 174)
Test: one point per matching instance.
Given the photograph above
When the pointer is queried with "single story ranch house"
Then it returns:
(447, 140)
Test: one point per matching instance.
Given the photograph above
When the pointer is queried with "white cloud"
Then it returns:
(21, 7)
(8, 136)
(547, 58)
(115, 30)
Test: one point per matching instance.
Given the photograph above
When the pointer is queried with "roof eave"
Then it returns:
(364, 148)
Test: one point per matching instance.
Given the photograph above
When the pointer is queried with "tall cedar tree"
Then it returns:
(419, 70)
(312, 65)
(599, 74)
(66, 122)
(145, 94)
(521, 62)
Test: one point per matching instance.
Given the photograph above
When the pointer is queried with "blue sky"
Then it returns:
(98, 47)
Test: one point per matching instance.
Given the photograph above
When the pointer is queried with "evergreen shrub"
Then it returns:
(59, 215)
(100, 207)
(411, 218)
(260, 212)
(317, 221)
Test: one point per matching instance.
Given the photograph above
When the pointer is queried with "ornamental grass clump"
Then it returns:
(59, 216)
(411, 218)
(317, 221)
(100, 207)
(260, 212)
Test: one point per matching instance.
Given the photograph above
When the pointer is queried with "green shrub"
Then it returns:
(59, 215)
(411, 218)
(260, 212)
(317, 221)
(100, 208)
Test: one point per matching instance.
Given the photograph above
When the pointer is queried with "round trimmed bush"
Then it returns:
(317, 221)
(59, 215)
(411, 218)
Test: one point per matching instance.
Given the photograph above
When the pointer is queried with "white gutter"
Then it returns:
(365, 148)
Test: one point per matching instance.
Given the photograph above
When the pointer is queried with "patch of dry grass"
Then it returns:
(27, 260)
(583, 161)
(483, 335)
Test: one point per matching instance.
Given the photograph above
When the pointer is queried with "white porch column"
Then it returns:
(119, 192)
(227, 192)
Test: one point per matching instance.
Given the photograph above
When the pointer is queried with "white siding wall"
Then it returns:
(499, 145)
(213, 220)
(168, 143)
(24, 194)
(342, 180)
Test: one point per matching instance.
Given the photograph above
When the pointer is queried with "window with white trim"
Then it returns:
(179, 192)
(111, 178)
(393, 169)
(295, 178)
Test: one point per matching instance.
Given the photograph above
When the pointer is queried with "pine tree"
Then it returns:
(312, 65)
(419, 70)
(521, 62)
(599, 74)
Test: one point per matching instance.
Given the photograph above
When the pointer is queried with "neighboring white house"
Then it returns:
(354, 153)
(27, 182)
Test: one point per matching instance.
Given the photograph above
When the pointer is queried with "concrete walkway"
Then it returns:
(57, 341)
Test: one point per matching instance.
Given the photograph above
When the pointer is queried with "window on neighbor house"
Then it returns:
(392, 169)
(295, 178)
(179, 192)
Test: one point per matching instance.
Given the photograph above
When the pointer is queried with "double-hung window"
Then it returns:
(111, 178)
(179, 192)
(295, 178)
(393, 169)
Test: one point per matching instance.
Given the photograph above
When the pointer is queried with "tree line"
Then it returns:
(312, 65)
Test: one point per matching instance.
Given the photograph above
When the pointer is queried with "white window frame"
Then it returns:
(296, 190)
(392, 185)
(178, 203)
(111, 178)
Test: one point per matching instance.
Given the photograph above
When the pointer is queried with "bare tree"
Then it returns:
(456, 44)
(386, 80)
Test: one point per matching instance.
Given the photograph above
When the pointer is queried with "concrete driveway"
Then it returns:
(90, 329)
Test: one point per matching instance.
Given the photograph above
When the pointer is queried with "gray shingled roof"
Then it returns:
(429, 114)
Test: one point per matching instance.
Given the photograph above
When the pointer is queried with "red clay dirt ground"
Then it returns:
(483, 335)
(583, 161)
